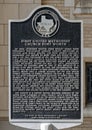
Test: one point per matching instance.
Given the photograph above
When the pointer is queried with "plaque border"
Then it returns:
(9, 72)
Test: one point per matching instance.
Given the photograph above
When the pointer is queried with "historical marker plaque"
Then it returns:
(45, 67)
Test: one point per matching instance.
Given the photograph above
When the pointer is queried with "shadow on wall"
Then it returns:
(5, 125)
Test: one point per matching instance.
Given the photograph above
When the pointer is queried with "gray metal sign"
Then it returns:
(45, 68)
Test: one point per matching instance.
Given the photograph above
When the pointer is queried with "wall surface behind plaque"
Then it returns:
(9, 9)
(18, 9)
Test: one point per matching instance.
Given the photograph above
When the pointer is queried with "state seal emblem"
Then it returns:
(45, 23)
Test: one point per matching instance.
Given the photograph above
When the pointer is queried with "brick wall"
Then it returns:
(87, 125)
(88, 35)
(19, 9)
(59, 4)
(9, 9)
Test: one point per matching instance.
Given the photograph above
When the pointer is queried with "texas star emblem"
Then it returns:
(45, 23)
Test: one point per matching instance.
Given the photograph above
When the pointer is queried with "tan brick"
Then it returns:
(68, 129)
(1, 76)
(87, 119)
(26, 9)
(76, 128)
(3, 98)
(53, 4)
(18, 1)
(6, 34)
(87, 128)
(6, 76)
(52, 1)
(1, 13)
(1, 1)
(3, 55)
(1, 34)
(69, 3)
(87, 59)
(8, 11)
(3, 115)
(37, 1)
(88, 35)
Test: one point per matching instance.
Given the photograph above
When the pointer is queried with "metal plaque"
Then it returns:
(45, 68)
